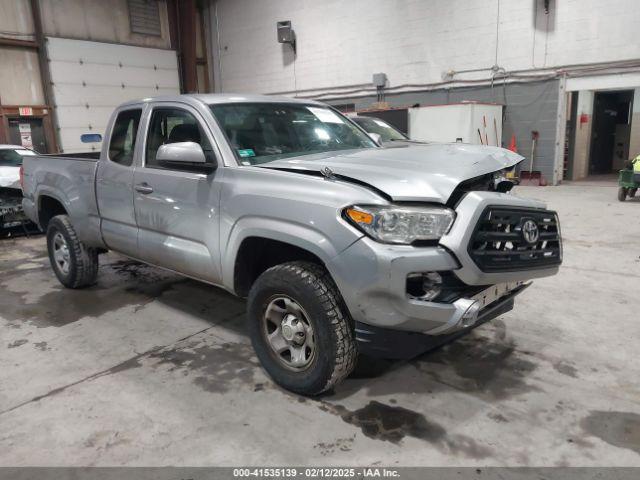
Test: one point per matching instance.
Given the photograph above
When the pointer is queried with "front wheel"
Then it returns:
(75, 264)
(632, 192)
(299, 328)
(622, 194)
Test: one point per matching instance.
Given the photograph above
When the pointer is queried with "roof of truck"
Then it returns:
(210, 98)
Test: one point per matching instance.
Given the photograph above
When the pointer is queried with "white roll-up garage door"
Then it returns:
(91, 78)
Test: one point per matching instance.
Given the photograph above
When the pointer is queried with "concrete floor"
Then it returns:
(147, 368)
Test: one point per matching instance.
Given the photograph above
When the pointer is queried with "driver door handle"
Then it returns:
(143, 188)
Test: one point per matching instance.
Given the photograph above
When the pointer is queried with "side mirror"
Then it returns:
(187, 154)
(376, 138)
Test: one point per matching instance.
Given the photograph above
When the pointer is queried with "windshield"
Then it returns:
(375, 125)
(264, 132)
(12, 158)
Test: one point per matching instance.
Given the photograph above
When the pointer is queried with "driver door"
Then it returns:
(177, 208)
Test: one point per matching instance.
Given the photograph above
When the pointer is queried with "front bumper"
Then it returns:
(372, 276)
(402, 345)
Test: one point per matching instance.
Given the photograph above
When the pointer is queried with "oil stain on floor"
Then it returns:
(214, 368)
(480, 365)
(621, 429)
(393, 423)
(120, 284)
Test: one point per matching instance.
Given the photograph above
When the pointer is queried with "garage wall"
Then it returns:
(20, 77)
(634, 141)
(582, 143)
(15, 19)
(414, 41)
(100, 20)
(529, 106)
(19, 70)
(91, 78)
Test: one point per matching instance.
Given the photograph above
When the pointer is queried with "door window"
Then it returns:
(123, 137)
(172, 125)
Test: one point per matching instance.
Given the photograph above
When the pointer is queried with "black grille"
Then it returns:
(499, 244)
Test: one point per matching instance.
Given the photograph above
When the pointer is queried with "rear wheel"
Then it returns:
(632, 192)
(299, 328)
(622, 194)
(75, 264)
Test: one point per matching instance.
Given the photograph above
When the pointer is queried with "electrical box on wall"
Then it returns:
(286, 33)
(379, 80)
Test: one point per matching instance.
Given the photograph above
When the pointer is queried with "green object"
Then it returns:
(629, 180)
(246, 152)
(625, 179)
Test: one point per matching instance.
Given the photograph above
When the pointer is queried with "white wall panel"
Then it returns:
(448, 123)
(91, 78)
(342, 43)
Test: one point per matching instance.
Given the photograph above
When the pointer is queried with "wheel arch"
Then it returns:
(288, 241)
(256, 254)
(48, 207)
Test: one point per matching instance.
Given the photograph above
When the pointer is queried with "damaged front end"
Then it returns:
(11, 213)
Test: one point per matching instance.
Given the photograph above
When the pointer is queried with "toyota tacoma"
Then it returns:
(340, 246)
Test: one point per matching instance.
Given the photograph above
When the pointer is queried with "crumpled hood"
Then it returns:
(10, 177)
(426, 173)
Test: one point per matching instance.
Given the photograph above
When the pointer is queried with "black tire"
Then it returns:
(82, 266)
(312, 288)
(622, 194)
(632, 192)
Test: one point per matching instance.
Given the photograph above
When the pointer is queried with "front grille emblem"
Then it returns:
(530, 231)
(510, 239)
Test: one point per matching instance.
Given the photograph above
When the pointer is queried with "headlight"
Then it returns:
(392, 224)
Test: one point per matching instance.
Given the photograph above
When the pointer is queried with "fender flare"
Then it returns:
(44, 191)
(295, 234)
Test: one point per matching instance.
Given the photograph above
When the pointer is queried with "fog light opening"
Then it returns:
(425, 286)
(470, 316)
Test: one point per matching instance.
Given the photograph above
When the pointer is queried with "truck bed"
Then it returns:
(73, 174)
(87, 156)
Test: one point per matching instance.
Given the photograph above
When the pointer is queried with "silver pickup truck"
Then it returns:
(341, 246)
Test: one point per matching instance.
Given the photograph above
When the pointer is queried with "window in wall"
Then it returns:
(123, 137)
(171, 125)
(144, 17)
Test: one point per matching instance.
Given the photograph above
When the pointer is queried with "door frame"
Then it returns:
(594, 115)
(42, 112)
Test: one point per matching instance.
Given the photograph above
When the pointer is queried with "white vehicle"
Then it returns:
(11, 157)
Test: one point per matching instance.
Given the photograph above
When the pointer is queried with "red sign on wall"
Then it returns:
(25, 111)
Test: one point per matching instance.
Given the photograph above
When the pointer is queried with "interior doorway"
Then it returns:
(611, 131)
(30, 126)
(28, 132)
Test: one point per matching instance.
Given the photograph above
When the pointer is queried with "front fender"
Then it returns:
(298, 235)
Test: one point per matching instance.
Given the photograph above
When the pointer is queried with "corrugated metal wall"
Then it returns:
(529, 106)
(91, 78)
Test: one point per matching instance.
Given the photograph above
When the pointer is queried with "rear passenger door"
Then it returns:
(114, 183)
(176, 206)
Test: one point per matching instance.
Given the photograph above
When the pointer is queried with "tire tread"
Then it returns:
(86, 258)
(320, 282)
